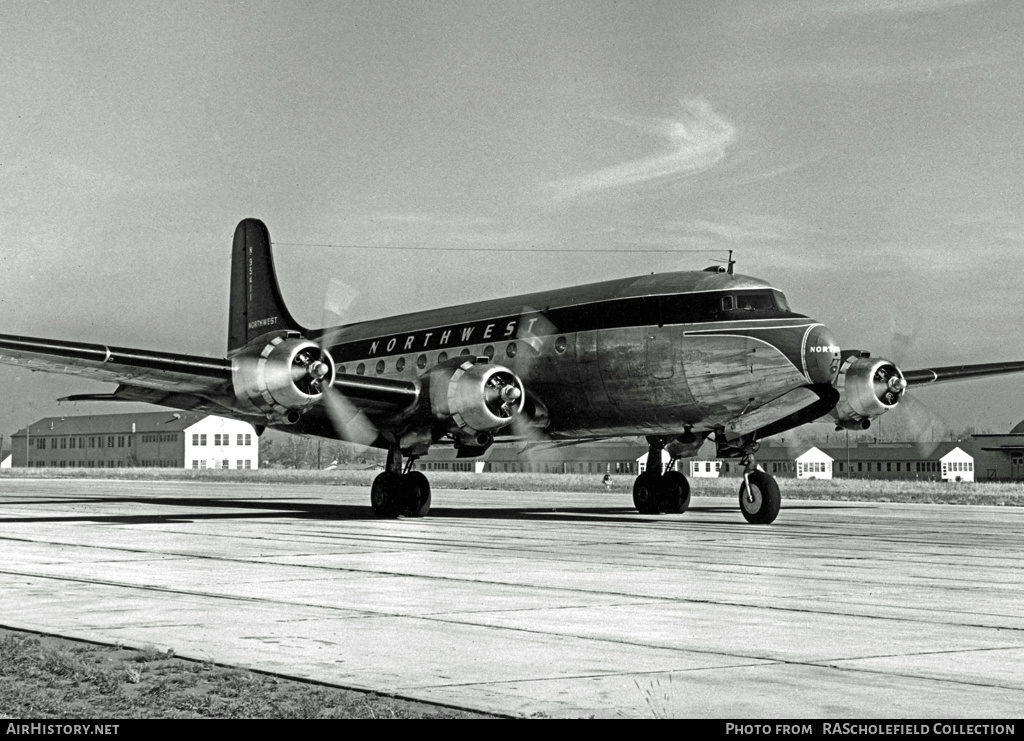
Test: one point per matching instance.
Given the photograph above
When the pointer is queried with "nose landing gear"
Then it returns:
(655, 492)
(759, 493)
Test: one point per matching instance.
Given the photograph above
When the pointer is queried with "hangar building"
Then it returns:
(1001, 457)
(150, 440)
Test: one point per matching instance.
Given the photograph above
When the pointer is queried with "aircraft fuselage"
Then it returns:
(648, 355)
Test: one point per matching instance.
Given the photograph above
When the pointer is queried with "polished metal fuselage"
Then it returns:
(603, 372)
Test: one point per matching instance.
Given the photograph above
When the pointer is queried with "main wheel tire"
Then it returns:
(675, 493)
(761, 505)
(415, 494)
(386, 495)
(647, 494)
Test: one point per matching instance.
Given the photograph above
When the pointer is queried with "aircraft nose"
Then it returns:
(820, 355)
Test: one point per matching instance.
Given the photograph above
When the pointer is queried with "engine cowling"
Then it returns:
(475, 397)
(868, 388)
(280, 376)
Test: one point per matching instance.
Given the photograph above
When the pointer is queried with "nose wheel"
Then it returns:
(759, 498)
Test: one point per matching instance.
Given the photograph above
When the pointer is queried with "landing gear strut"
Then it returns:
(400, 490)
(759, 493)
(654, 491)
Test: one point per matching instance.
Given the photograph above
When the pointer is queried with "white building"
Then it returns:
(641, 462)
(705, 469)
(957, 466)
(814, 464)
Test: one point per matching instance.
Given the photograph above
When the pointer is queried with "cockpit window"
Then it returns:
(755, 301)
(727, 303)
(781, 301)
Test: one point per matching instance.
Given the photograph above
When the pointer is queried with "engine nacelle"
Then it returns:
(475, 397)
(868, 388)
(280, 376)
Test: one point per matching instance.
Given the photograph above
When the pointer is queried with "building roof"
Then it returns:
(814, 453)
(102, 424)
(866, 451)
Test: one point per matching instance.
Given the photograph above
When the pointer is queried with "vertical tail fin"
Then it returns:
(257, 306)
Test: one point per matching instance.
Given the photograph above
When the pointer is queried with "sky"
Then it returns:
(864, 156)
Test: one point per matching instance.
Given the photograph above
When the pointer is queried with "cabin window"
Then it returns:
(380, 366)
(511, 350)
(421, 362)
(441, 357)
(489, 352)
(560, 345)
(400, 365)
(465, 351)
(341, 369)
(361, 369)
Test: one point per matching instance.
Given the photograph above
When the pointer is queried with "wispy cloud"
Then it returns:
(697, 140)
(882, 7)
(861, 71)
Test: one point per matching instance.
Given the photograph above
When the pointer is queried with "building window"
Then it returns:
(225, 463)
(120, 441)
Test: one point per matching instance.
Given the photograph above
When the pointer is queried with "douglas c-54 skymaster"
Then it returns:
(676, 357)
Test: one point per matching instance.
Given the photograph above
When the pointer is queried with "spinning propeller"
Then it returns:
(349, 422)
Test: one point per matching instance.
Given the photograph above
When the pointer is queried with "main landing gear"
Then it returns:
(400, 491)
(654, 491)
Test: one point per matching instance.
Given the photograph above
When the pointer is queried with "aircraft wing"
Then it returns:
(154, 370)
(930, 376)
(180, 381)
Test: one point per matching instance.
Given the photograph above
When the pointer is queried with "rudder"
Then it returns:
(257, 306)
